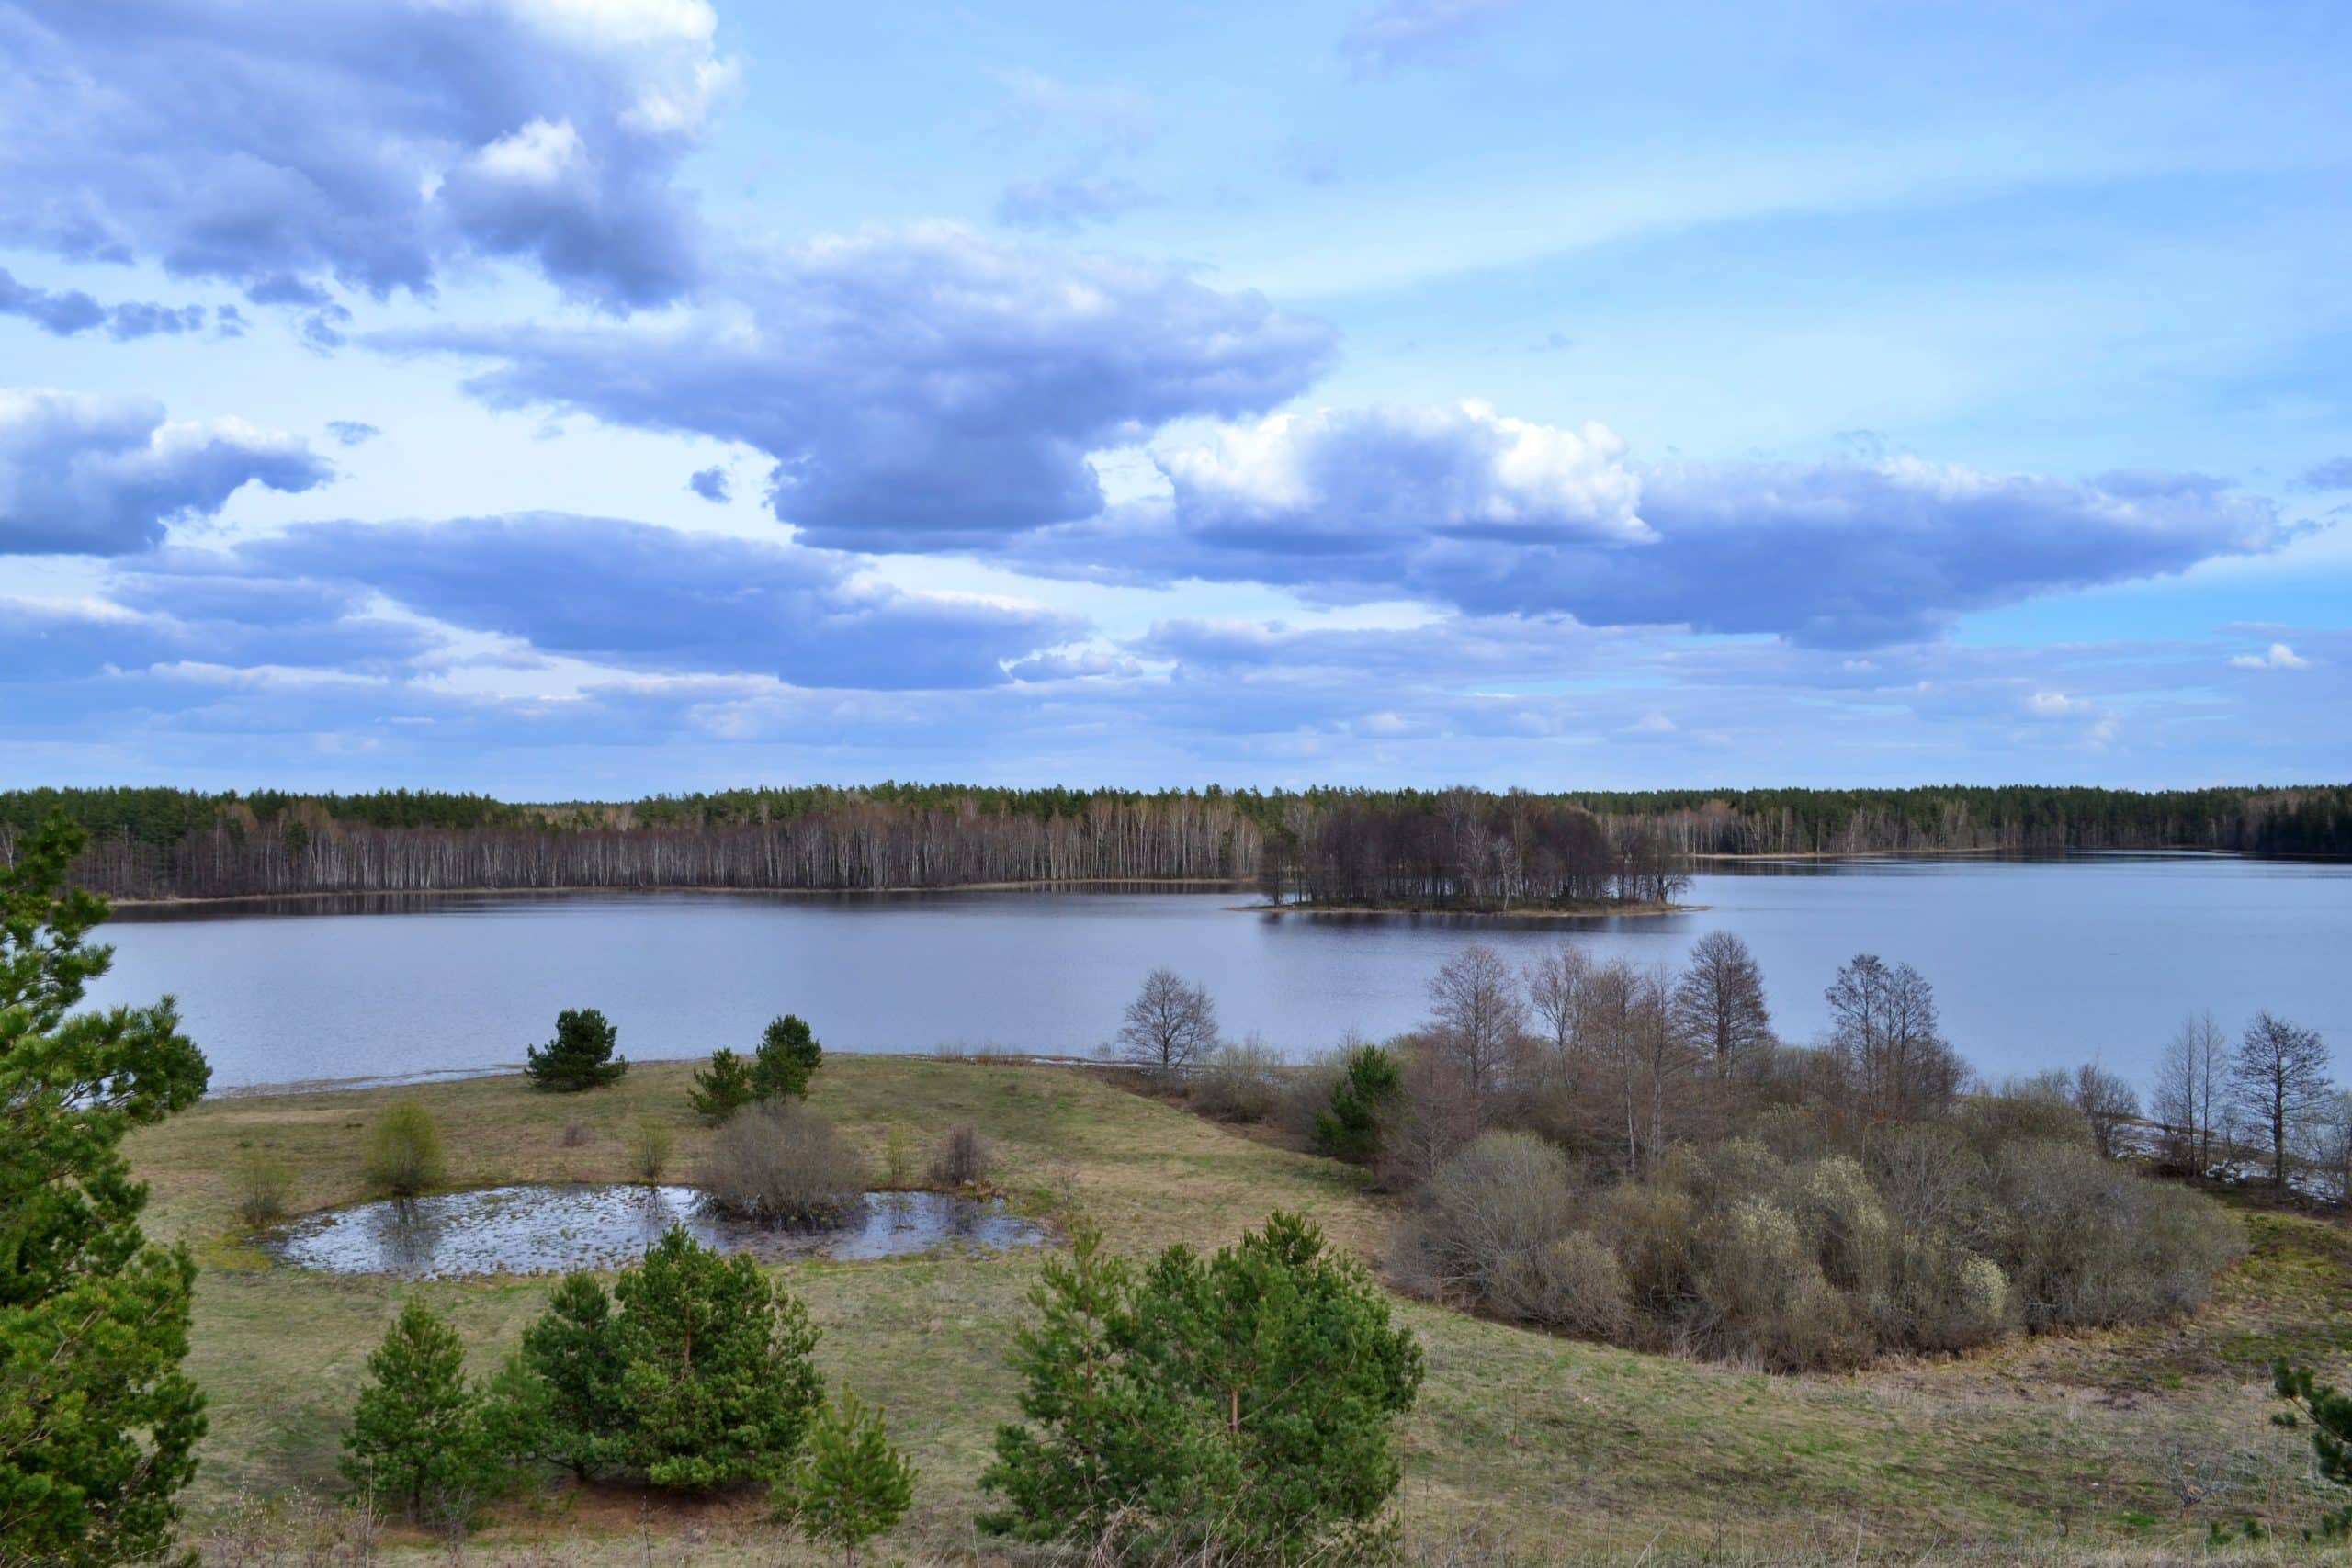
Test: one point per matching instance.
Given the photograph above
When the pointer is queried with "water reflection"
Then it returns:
(547, 1229)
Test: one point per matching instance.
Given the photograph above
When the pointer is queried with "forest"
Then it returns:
(1455, 848)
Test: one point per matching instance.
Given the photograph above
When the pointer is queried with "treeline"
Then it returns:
(1422, 848)
(1465, 849)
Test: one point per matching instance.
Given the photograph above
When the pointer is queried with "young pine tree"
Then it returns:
(579, 1057)
(850, 1482)
(1368, 1087)
(568, 1411)
(417, 1438)
(788, 1058)
(97, 1423)
(723, 1088)
(1091, 1439)
(716, 1382)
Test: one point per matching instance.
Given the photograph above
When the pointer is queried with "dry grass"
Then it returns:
(1524, 1448)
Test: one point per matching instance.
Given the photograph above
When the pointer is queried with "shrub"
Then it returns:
(1305, 1093)
(898, 1158)
(404, 1150)
(852, 1483)
(964, 1159)
(1572, 1283)
(1764, 1296)
(264, 1185)
(1484, 1219)
(1361, 1096)
(783, 1163)
(1650, 1229)
(2087, 1245)
(580, 1057)
(723, 1088)
(416, 1435)
(1238, 1083)
(1851, 1235)
(788, 1058)
(650, 1148)
(575, 1134)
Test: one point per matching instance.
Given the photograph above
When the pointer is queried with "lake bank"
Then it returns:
(1577, 912)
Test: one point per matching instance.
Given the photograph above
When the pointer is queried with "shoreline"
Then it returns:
(190, 900)
(1598, 912)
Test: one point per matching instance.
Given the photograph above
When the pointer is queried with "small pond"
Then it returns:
(548, 1229)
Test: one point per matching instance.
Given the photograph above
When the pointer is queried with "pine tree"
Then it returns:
(723, 1088)
(851, 1483)
(1238, 1406)
(788, 1058)
(572, 1414)
(579, 1057)
(2329, 1411)
(97, 1423)
(1368, 1085)
(717, 1385)
(417, 1434)
(1087, 1443)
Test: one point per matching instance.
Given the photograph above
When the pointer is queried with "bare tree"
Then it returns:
(1884, 1027)
(2107, 1102)
(2192, 1081)
(1478, 1019)
(1718, 1003)
(2279, 1080)
(1170, 1026)
(1555, 985)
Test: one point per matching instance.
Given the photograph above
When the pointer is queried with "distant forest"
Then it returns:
(1427, 849)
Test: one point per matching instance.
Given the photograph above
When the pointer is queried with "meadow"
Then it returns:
(2124, 1446)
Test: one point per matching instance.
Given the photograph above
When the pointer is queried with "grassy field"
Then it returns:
(1524, 1448)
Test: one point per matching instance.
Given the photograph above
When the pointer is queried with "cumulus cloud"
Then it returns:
(2279, 656)
(273, 143)
(917, 388)
(652, 598)
(711, 484)
(63, 313)
(1496, 516)
(352, 432)
(1416, 32)
(85, 475)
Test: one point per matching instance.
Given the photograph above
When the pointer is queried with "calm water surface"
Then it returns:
(2036, 963)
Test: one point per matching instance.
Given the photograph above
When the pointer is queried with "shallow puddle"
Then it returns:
(548, 1229)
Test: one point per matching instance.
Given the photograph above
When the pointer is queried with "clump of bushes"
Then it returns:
(264, 1186)
(963, 1160)
(1238, 1083)
(580, 1057)
(404, 1151)
(1919, 1242)
(786, 1164)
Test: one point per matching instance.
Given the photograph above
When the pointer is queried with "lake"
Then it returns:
(2037, 963)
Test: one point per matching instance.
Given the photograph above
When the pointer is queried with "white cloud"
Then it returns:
(2279, 657)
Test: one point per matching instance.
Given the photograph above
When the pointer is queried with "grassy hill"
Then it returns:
(1524, 1448)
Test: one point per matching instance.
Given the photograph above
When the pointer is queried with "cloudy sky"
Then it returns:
(587, 397)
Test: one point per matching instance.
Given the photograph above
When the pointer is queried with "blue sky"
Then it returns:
(578, 397)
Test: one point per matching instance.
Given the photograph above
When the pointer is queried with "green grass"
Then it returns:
(1523, 1447)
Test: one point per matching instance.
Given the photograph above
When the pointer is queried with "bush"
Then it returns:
(1765, 1299)
(1238, 1083)
(404, 1150)
(1305, 1096)
(580, 1057)
(723, 1088)
(264, 1185)
(783, 1163)
(964, 1159)
(1485, 1215)
(650, 1148)
(2087, 1245)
